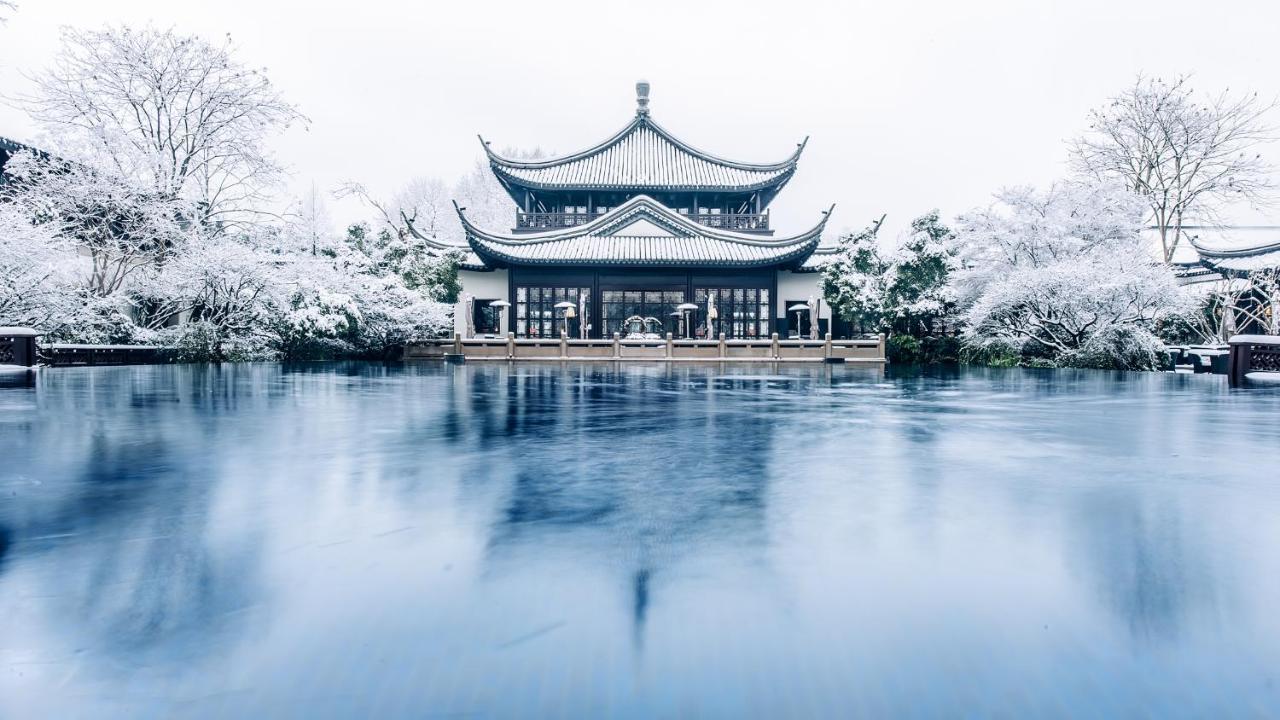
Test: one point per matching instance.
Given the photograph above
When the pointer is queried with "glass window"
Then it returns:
(741, 312)
(538, 316)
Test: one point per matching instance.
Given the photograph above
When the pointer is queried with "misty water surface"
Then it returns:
(639, 541)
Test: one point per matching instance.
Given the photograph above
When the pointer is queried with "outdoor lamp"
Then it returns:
(502, 306)
(797, 309)
(567, 307)
(684, 308)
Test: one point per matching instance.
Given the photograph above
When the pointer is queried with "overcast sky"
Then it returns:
(910, 106)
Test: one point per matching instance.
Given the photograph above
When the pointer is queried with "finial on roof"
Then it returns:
(642, 97)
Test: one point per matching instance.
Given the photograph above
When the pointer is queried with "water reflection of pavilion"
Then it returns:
(585, 483)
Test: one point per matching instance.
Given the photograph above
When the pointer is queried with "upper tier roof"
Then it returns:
(642, 233)
(643, 157)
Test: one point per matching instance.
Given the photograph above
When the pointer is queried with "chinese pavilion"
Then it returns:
(641, 234)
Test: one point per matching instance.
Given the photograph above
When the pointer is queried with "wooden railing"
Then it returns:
(744, 222)
(733, 221)
(1252, 353)
(771, 349)
(551, 221)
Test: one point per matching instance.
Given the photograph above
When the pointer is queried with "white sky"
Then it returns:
(909, 106)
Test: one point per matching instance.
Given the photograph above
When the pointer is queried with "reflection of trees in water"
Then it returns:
(119, 522)
(639, 467)
(1147, 565)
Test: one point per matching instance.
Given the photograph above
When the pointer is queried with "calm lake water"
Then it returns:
(591, 541)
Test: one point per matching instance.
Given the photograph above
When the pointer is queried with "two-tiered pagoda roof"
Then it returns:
(642, 198)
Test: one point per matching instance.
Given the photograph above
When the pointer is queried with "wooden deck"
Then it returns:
(869, 350)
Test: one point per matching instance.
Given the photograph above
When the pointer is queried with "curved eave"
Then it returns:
(495, 256)
(818, 259)
(499, 250)
(468, 261)
(1239, 261)
(777, 181)
(507, 168)
(638, 122)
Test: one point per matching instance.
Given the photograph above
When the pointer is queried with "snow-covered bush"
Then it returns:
(1118, 347)
(393, 315)
(1049, 271)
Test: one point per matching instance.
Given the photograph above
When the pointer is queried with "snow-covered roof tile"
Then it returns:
(642, 232)
(642, 156)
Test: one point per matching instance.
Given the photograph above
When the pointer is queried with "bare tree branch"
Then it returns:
(1188, 157)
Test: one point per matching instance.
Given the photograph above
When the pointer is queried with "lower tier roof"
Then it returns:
(1242, 256)
(643, 233)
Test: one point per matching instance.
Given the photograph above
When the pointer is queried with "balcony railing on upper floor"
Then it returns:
(742, 222)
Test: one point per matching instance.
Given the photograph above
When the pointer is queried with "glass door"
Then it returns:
(654, 309)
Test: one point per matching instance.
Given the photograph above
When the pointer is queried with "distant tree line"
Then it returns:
(1067, 276)
(154, 216)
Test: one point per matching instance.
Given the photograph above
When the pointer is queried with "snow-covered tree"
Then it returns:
(1186, 155)
(175, 114)
(39, 274)
(119, 226)
(427, 203)
(310, 221)
(487, 204)
(210, 299)
(855, 283)
(1050, 271)
(904, 290)
(919, 295)
(419, 267)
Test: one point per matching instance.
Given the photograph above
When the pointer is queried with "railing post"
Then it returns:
(511, 346)
(881, 350)
(564, 344)
(670, 343)
(826, 347)
(775, 346)
(457, 343)
(724, 350)
(1238, 363)
(617, 345)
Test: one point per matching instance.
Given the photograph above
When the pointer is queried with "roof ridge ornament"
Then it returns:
(642, 98)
